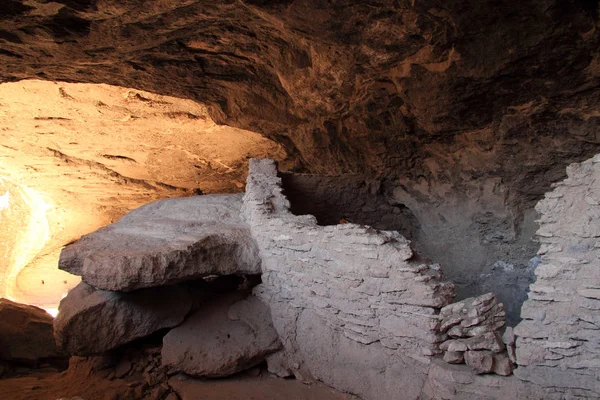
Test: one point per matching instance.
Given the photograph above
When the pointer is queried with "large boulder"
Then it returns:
(92, 321)
(226, 337)
(166, 242)
(25, 333)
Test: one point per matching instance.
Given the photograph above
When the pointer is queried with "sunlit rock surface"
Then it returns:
(75, 157)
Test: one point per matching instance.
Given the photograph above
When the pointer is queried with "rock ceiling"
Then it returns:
(398, 87)
(445, 99)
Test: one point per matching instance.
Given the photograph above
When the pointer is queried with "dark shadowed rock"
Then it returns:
(25, 333)
(226, 337)
(166, 242)
(92, 321)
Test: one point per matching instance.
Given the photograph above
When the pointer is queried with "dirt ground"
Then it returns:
(82, 385)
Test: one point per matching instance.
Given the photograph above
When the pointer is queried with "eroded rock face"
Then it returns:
(77, 157)
(165, 242)
(224, 337)
(26, 333)
(92, 321)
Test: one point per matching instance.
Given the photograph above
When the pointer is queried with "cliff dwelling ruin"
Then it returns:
(342, 199)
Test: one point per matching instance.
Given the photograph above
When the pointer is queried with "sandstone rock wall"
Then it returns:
(558, 344)
(345, 279)
(439, 89)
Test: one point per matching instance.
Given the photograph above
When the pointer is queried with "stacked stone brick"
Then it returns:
(473, 327)
(358, 279)
(558, 341)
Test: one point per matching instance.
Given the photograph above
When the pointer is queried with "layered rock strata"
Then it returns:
(558, 341)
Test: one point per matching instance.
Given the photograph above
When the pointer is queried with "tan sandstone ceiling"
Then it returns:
(75, 157)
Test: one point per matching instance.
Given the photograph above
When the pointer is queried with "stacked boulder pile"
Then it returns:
(178, 268)
(473, 327)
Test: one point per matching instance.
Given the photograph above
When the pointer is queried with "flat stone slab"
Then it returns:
(165, 242)
(26, 333)
(92, 321)
(225, 337)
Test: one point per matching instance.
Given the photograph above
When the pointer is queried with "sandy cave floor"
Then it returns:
(69, 384)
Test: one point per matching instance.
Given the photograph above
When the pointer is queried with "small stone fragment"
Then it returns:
(508, 337)
(454, 357)
(482, 361)
(488, 341)
(277, 364)
(502, 364)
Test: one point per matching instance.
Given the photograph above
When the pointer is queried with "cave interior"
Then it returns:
(406, 191)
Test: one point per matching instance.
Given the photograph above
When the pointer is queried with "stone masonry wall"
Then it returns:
(357, 280)
(558, 342)
(354, 310)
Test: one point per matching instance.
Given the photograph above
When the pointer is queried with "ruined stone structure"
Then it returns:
(398, 237)
(357, 279)
(558, 342)
(344, 304)
(343, 296)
